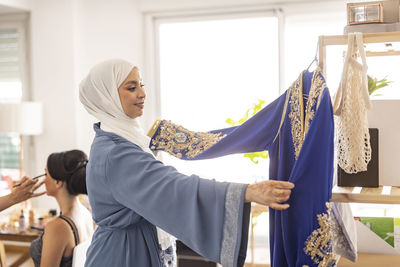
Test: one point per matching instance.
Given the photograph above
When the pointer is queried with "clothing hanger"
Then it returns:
(315, 60)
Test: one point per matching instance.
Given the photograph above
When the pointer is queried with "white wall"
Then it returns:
(166, 5)
(67, 38)
(52, 79)
(16, 5)
(103, 30)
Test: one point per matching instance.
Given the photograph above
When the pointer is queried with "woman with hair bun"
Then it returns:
(65, 180)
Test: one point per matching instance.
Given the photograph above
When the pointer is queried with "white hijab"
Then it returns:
(98, 93)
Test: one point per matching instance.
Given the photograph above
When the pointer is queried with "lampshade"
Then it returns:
(24, 118)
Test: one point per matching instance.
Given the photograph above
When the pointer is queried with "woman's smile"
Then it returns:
(140, 105)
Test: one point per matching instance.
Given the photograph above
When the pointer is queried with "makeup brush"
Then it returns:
(34, 178)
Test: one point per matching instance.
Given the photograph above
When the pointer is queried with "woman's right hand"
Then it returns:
(25, 190)
(269, 193)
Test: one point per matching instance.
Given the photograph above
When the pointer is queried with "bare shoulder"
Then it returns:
(56, 228)
(56, 243)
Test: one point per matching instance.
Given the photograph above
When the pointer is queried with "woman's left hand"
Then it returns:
(269, 193)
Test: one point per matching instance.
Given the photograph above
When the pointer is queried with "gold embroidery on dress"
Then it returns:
(317, 86)
(178, 141)
(283, 114)
(300, 124)
(295, 116)
(319, 243)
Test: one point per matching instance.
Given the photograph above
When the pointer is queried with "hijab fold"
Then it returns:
(98, 93)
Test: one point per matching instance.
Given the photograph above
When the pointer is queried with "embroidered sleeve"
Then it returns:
(296, 115)
(180, 142)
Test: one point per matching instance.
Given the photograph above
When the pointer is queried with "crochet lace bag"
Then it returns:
(350, 107)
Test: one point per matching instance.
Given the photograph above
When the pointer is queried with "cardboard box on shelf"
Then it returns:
(386, 11)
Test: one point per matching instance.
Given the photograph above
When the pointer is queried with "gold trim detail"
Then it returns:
(180, 142)
(301, 119)
(319, 244)
(295, 114)
(283, 116)
(317, 86)
(154, 128)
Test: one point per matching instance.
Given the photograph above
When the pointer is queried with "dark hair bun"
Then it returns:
(69, 166)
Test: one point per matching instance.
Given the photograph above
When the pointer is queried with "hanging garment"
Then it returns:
(344, 232)
(350, 106)
(298, 133)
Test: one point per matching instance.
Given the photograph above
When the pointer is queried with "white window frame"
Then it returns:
(152, 22)
(20, 22)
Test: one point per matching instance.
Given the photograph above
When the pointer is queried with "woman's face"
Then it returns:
(50, 183)
(132, 94)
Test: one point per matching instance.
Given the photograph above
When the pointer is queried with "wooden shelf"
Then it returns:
(381, 37)
(371, 260)
(380, 195)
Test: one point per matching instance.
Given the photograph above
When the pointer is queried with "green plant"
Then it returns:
(374, 84)
(254, 156)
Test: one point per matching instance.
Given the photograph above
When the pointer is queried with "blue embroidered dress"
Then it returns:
(297, 129)
(130, 193)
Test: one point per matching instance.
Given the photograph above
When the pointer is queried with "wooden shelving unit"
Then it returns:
(379, 195)
(382, 194)
(382, 37)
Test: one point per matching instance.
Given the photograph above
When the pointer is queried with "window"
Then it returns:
(10, 91)
(212, 70)
(301, 40)
(385, 67)
(215, 69)
(10, 77)
(302, 26)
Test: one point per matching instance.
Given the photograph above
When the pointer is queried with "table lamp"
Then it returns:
(23, 118)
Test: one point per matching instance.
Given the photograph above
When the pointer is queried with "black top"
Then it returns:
(35, 249)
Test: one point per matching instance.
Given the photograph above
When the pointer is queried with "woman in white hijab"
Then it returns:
(133, 195)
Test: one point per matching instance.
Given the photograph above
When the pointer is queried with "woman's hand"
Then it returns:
(25, 190)
(269, 193)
